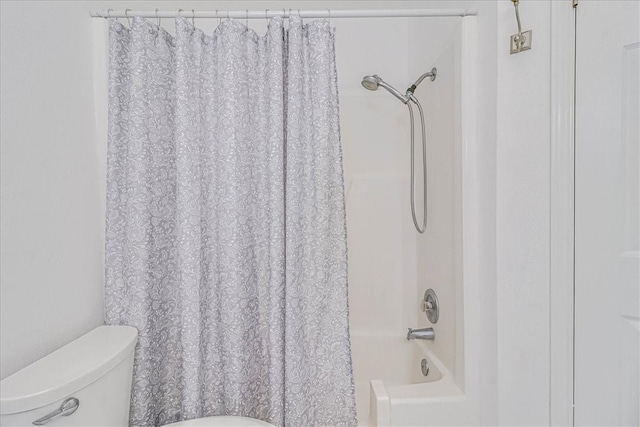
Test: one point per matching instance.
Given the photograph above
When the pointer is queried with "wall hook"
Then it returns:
(522, 40)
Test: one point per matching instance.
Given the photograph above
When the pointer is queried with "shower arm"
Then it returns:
(432, 74)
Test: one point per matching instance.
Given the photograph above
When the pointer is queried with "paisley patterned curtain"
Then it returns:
(226, 240)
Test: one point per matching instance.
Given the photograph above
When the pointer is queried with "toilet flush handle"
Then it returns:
(68, 407)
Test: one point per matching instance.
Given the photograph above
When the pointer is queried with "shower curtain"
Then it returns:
(225, 225)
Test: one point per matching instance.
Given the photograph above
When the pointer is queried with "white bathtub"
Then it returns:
(392, 391)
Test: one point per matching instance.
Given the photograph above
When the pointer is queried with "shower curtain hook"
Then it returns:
(158, 18)
(109, 13)
(193, 17)
(126, 13)
(329, 12)
(246, 19)
(180, 12)
(266, 14)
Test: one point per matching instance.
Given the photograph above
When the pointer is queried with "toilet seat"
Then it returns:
(221, 422)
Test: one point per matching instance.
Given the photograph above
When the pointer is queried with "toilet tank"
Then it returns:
(96, 369)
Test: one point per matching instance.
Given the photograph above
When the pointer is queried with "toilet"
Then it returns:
(90, 377)
(85, 383)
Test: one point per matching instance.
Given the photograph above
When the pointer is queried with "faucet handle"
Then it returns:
(430, 306)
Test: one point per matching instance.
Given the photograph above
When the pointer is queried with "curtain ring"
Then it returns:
(193, 17)
(109, 13)
(179, 12)
(126, 13)
(158, 18)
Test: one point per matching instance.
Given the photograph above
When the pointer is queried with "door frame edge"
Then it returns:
(561, 214)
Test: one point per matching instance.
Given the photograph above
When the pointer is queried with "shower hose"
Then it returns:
(423, 227)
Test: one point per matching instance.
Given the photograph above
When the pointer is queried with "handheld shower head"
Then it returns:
(373, 82)
(370, 82)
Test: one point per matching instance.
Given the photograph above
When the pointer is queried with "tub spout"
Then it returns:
(421, 334)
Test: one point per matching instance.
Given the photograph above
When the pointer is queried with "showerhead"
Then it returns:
(370, 82)
(373, 82)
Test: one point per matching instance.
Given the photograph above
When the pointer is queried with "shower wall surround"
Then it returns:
(439, 252)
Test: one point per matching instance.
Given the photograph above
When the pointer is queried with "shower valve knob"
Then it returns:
(430, 305)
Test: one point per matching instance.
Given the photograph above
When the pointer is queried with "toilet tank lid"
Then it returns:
(67, 370)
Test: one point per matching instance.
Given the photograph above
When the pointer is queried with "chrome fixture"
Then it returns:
(68, 407)
(373, 83)
(430, 305)
(431, 74)
(522, 40)
(424, 367)
(287, 13)
(421, 334)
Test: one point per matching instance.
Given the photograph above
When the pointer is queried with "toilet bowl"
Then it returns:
(85, 383)
(221, 422)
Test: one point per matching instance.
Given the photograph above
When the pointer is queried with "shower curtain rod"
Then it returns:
(285, 13)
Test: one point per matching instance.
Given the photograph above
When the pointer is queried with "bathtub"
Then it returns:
(391, 389)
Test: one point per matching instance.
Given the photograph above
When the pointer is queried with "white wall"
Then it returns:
(51, 276)
(522, 217)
